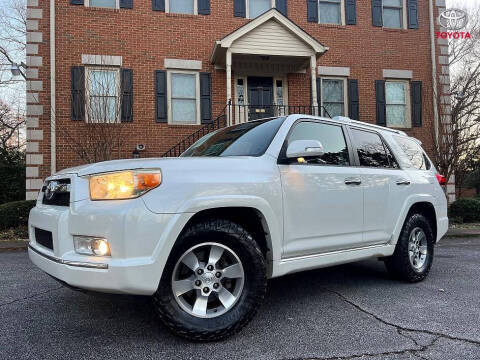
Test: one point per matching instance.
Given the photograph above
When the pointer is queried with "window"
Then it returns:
(333, 97)
(330, 136)
(414, 155)
(370, 149)
(182, 6)
(397, 104)
(330, 12)
(184, 98)
(247, 139)
(103, 87)
(393, 14)
(258, 7)
(103, 3)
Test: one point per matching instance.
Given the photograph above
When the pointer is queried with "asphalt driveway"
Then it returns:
(351, 312)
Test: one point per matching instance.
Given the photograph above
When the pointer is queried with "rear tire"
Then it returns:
(413, 256)
(221, 301)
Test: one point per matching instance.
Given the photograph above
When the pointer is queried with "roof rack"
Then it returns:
(350, 121)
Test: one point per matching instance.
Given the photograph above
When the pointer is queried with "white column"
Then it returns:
(229, 84)
(313, 69)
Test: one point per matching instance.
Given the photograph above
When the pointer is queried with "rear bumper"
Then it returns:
(442, 227)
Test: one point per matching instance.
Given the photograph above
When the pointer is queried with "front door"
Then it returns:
(260, 97)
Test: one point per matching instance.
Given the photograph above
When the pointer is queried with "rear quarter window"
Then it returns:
(413, 155)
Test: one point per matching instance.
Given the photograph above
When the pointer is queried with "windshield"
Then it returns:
(248, 139)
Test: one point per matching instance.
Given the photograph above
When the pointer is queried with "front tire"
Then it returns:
(213, 282)
(413, 256)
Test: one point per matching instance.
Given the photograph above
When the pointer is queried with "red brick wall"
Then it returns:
(144, 38)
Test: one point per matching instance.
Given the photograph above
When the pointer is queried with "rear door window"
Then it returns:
(413, 153)
(371, 150)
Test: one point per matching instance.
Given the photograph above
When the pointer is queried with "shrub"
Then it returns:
(468, 209)
(15, 214)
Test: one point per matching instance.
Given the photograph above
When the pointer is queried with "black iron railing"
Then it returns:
(241, 113)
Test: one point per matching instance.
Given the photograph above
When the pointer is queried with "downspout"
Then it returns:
(53, 157)
(434, 69)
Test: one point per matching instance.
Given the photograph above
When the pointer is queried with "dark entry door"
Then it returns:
(260, 97)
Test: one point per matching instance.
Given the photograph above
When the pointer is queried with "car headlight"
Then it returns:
(123, 185)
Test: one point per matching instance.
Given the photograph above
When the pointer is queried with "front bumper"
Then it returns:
(138, 240)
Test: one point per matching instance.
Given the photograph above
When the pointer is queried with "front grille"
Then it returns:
(56, 192)
(44, 238)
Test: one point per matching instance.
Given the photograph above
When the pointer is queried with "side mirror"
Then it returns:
(304, 148)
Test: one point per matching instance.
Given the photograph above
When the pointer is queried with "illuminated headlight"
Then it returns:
(89, 245)
(123, 185)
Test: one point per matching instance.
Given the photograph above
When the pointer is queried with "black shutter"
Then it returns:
(412, 7)
(318, 83)
(78, 92)
(204, 7)
(161, 96)
(281, 6)
(377, 13)
(206, 97)
(239, 8)
(312, 11)
(76, 2)
(416, 87)
(353, 100)
(381, 104)
(158, 5)
(351, 12)
(127, 95)
(126, 4)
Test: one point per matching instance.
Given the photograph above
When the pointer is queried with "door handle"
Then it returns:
(403, 182)
(353, 181)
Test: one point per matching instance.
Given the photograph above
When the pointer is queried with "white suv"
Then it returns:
(202, 233)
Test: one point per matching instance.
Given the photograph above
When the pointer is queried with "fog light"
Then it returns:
(89, 245)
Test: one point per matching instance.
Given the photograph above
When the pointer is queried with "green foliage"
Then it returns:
(12, 175)
(467, 209)
(14, 214)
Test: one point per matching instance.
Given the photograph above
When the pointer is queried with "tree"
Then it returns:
(10, 125)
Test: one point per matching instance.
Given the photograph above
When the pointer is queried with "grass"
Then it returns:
(14, 234)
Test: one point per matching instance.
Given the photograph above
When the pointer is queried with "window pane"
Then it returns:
(330, 136)
(181, 6)
(371, 151)
(183, 86)
(257, 7)
(392, 18)
(392, 3)
(329, 13)
(396, 116)
(395, 92)
(413, 153)
(102, 109)
(333, 109)
(103, 3)
(332, 90)
(184, 111)
(103, 82)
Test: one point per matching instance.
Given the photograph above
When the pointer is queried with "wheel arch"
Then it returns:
(426, 209)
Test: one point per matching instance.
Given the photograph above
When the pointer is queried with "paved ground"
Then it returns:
(350, 312)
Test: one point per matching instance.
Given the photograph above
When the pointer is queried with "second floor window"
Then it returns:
(258, 7)
(330, 11)
(182, 6)
(393, 14)
(103, 3)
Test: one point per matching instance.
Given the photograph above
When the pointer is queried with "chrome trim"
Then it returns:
(58, 260)
(304, 257)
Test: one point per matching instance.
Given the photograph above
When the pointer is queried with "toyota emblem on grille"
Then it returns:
(51, 188)
(453, 19)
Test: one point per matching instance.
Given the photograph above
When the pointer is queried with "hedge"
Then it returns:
(15, 214)
(467, 209)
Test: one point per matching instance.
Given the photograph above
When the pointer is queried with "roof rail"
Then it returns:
(362, 123)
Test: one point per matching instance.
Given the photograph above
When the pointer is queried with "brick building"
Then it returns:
(177, 63)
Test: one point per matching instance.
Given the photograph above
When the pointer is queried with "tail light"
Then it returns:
(442, 180)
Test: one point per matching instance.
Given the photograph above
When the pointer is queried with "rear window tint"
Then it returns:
(413, 153)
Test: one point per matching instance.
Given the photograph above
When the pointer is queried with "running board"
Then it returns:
(309, 262)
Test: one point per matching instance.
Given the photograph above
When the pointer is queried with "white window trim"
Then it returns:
(342, 13)
(345, 93)
(117, 5)
(169, 96)
(87, 91)
(408, 109)
(247, 7)
(195, 8)
(404, 16)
